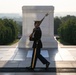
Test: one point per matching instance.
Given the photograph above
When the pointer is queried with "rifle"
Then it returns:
(43, 18)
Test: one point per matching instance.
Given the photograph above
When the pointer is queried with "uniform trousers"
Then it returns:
(36, 54)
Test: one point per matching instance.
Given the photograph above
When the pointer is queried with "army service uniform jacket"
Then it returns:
(37, 38)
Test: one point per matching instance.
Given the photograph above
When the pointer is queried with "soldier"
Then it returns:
(37, 45)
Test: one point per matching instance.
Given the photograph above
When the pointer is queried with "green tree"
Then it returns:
(19, 27)
(67, 31)
(57, 23)
(65, 18)
(9, 23)
(8, 31)
(2, 32)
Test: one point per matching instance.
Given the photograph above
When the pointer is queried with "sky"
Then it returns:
(15, 6)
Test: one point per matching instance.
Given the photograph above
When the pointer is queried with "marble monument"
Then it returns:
(31, 14)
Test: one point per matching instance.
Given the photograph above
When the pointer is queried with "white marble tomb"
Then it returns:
(32, 13)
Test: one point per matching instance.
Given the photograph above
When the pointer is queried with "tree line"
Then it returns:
(65, 27)
(8, 31)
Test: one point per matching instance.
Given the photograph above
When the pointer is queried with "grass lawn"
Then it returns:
(62, 42)
(14, 42)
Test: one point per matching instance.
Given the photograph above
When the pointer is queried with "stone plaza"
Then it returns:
(14, 57)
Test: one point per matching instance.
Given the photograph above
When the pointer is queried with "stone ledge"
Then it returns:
(39, 69)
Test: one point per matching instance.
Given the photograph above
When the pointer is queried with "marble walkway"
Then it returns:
(63, 57)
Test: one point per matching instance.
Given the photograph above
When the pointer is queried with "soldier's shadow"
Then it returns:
(50, 55)
(22, 53)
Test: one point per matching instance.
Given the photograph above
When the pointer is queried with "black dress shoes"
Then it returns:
(47, 65)
(30, 68)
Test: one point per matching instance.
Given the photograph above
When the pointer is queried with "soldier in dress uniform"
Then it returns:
(37, 45)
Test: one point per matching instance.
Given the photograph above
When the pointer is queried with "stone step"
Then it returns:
(39, 69)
